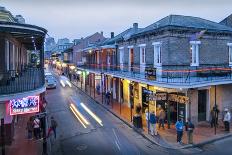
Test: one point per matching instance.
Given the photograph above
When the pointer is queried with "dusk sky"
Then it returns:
(80, 18)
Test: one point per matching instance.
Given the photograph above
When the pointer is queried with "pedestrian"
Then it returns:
(98, 89)
(179, 129)
(29, 128)
(226, 119)
(108, 97)
(52, 127)
(212, 118)
(152, 121)
(147, 119)
(162, 116)
(36, 126)
(189, 128)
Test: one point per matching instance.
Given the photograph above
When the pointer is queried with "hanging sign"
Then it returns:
(158, 97)
(25, 105)
(178, 98)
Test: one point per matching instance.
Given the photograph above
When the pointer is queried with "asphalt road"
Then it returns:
(113, 138)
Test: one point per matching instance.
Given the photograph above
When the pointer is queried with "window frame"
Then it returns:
(194, 52)
(157, 54)
(142, 51)
(230, 53)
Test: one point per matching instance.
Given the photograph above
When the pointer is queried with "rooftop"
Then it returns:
(186, 22)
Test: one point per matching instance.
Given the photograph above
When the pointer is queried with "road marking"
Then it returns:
(116, 140)
(115, 135)
(117, 145)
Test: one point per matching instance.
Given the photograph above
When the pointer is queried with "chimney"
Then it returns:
(111, 34)
(102, 33)
(135, 27)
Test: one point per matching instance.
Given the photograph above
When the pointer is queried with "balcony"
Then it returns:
(12, 82)
(174, 76)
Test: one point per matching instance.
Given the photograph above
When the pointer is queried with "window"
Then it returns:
(194, 52)
(142, 54)
(230, 53)
(157, 53)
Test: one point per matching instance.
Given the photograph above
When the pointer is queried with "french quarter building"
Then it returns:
(179, 63)
(21, 69)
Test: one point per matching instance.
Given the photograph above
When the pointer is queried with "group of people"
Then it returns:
(152, 119)
(34, 127)
(214, 118)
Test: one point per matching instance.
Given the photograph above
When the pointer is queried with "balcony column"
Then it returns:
(90, 83)
(94, 86)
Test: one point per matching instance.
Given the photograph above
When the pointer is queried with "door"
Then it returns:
(202, 100)
(131, 57)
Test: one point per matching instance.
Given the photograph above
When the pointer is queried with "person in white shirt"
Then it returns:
(36, 126)
(226, 120)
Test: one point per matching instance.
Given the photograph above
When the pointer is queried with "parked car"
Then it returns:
(50, 80)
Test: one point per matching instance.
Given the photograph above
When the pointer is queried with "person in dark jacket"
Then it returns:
(30, 128)
(153, 123)
(189, 128)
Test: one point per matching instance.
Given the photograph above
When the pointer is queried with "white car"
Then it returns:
(65, 81)
(50, 80)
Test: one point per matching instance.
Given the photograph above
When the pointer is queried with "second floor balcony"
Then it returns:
(12, 82)
(176, 76)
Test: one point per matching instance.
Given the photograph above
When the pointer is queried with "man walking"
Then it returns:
(153, 123)
(189, 128)
(162, 116)
(226, 120)
(53, 127)
(179, 128)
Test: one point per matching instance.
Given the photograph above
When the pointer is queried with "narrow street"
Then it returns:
(114, 137)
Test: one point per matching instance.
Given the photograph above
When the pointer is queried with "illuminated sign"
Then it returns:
(25, 105)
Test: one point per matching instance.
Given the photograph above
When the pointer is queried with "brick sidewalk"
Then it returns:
(21, 145)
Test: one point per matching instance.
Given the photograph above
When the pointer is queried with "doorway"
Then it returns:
(202, 100)
(131, 57)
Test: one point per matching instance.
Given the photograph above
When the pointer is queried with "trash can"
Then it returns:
(137, 121)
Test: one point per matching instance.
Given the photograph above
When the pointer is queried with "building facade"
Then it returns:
(21, 70)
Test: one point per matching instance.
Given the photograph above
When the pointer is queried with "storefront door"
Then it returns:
(202, 100)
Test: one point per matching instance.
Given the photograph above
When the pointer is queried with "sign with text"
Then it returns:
(178, 98)
(25, 105)
(158, 97)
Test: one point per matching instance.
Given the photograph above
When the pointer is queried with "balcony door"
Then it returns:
(131, 59)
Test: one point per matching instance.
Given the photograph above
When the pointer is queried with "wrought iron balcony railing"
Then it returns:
(14, 82)
(167, 74)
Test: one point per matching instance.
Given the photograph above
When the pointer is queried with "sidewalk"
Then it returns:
(21, 145)
(203, 133)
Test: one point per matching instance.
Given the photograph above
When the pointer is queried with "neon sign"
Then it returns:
(25, 105)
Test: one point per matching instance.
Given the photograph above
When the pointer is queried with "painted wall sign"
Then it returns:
(25, 105)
